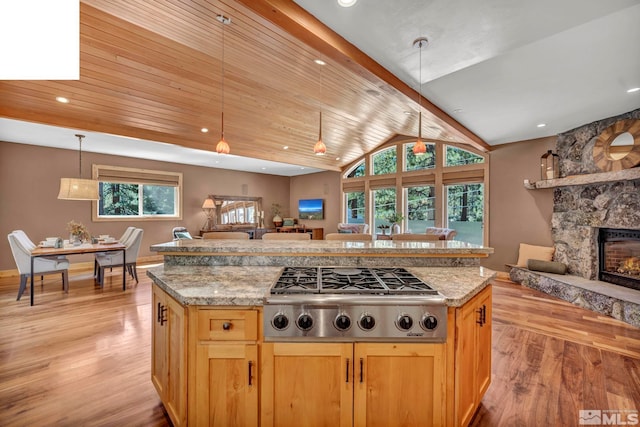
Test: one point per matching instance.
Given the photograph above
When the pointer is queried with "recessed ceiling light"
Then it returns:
(204, 130)
(347, 3)
(407, 113)
(372, 92)
(319, 62)
(62, 99)
(286, 147)
(457, 110)
(337, 158)
(541, 125)
(263, 168)
(633, 89)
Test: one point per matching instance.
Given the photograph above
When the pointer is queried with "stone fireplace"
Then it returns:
(590, 203)
(580, 211)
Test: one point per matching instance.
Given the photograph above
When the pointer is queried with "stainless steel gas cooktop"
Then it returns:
(353, 304)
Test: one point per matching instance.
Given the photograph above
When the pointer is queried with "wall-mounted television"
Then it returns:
(311, 209)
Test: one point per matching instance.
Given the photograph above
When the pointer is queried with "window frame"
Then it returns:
(439, 177)
(141, 177)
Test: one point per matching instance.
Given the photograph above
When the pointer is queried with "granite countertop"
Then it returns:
(378, 247)
(247, 286)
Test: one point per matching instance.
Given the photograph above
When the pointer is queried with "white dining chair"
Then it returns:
(123, 239)
(114, 259)
(21, 247)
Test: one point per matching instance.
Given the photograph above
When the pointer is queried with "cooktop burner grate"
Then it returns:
(349, 280)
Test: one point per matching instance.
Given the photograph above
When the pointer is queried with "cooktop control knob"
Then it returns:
(305, 321)
(280, 321)
(404, 322)
(429, 322)
(342, 322)
(367, 322)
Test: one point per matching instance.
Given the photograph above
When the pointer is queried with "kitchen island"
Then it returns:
(212, 366)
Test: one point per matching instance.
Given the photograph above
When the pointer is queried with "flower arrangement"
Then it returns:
(78, 230)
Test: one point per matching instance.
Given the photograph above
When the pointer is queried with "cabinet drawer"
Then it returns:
(228, 325)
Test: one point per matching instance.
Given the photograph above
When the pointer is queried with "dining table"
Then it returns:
(84, 248)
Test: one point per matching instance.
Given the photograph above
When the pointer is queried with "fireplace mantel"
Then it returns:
(592, 178)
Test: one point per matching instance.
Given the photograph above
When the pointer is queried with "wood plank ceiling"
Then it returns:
(153, 70)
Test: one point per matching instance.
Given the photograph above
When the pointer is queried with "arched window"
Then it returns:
(445, 187)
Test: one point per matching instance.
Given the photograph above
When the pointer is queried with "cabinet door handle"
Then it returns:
(158, 315)
(361, 370)
(226, 326)
(347, 376)
(250, 373)
(479, 321)
(162, 310)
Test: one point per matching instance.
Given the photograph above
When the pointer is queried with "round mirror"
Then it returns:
(618, 146)
(621, 146)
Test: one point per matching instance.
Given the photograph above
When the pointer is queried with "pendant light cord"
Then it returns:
(222, 97)
(80, 156)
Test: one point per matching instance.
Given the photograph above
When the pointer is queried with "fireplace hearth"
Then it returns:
(619, 257)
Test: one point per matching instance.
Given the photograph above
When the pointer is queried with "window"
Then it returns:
(384, 162)
(457, 156)
(465, 211)
(421, 208)
(445, 187)
(384, 204)
(127, 193)
(358, 171)
(423, 161)
(355, 207)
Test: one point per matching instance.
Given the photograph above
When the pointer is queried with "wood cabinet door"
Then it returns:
(159, 350)
(226, 385)
(176, 391)
(307, 384)
(483, 353)
(465, 363)
(399, 385)
(473, 355)
(168, 355)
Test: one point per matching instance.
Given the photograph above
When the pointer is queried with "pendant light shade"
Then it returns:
(78, 188)
(419, 148)
(320, 149)
(222, 147)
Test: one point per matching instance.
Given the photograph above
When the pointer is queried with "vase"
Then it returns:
(395, 228)
(75, 239)
(277, 220)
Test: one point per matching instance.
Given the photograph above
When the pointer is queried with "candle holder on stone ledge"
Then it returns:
(549, 165)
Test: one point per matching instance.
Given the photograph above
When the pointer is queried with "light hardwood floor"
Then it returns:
(83, 358)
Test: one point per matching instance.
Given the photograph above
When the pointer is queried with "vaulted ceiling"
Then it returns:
(162, 70)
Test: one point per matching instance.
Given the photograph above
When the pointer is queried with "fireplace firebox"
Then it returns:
(619, 253)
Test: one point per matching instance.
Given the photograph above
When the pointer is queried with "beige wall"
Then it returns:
(29, 180)
(517, 215)
(322, 185)
(29, 183)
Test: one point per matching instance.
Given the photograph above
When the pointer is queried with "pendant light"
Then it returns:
(78, 188)
(319, 148)
(419, 148)
(222, 147)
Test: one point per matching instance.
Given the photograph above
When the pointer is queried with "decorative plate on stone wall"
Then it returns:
(618, 146)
